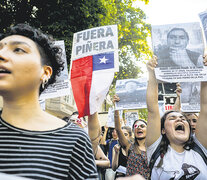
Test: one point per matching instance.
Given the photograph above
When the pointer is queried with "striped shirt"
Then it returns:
(64, 153)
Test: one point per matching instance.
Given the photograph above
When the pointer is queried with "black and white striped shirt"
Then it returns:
(64, 153)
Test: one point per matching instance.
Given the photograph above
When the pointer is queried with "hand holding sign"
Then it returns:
(152, 63)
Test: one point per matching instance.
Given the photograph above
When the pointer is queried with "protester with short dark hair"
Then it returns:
(35, 144)
(109, 144)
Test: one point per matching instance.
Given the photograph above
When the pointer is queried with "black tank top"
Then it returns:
(122, 159)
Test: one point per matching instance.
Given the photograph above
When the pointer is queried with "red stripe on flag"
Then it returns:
(81, 77)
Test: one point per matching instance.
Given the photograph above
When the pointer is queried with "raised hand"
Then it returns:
(116, 98)
(117, 148)
(178, 89)
(205, 59)
(152, 63)
(106, 128)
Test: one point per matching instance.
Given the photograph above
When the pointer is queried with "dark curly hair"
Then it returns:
(50, 54)
(165, 142)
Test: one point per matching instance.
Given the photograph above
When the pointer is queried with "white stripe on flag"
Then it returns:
(101, 81)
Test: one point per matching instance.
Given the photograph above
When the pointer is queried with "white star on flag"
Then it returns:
(103, 60)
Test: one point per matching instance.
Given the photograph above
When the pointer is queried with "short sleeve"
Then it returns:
(151, 149)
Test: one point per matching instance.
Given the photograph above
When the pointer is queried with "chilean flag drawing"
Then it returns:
(91, 78)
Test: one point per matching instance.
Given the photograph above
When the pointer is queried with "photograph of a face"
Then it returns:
(132, 93)
(178, 45)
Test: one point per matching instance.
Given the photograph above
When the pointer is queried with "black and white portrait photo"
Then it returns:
(132, 93)
(130, 117)
(178, 45)
(190, 96)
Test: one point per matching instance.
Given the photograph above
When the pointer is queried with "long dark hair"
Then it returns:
(136, 144)
(165, 142)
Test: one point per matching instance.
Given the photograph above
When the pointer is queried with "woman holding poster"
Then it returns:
(172, 151)
(136, 152)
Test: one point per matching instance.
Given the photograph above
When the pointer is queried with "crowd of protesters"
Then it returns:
(37, 145)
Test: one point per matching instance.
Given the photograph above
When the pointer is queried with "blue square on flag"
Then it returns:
(103, 61)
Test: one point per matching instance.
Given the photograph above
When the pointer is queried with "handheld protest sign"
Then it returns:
(62, 86)
(130, 117)
(132, 93)
(179, 50)
(190, 97)
(93, 63)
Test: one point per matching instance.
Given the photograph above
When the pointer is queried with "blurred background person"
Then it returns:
(119, 160)
(110, 143)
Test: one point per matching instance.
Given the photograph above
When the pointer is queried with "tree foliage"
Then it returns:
(133, 33)
(62, 18)
(143, 114)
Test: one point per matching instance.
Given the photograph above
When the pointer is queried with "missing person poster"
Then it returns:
(132, 93)
(130, 117)
(110, 120)
(179, 49)
(62, 86)
(190, 96)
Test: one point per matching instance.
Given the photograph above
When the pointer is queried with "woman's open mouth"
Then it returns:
(180, 128)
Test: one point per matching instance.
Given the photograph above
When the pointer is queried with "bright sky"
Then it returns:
(161, 12)
(172, 11)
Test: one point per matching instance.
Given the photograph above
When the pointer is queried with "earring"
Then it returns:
(45, 81)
